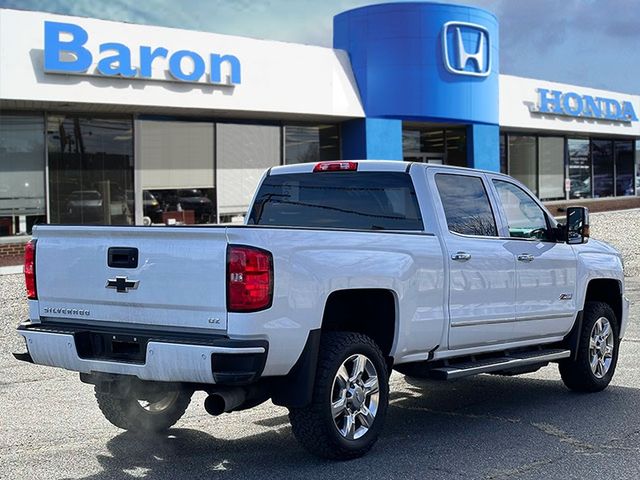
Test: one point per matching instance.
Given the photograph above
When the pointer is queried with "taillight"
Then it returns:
(30, 270)
(335, 166)
(249, 279)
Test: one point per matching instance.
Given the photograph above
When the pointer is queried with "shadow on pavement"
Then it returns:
(482, 427)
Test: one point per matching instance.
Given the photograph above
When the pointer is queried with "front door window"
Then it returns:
(525, 218)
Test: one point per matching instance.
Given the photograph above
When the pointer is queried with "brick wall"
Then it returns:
(12, 250)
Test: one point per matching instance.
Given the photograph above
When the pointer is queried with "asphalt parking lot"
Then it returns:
(485, 427)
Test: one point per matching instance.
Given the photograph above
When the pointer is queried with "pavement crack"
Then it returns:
(581, 446)
(484, 416)
(564, 437)
(521, 469)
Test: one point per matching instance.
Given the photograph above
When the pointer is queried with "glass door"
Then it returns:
(437, 159)
(424, 144)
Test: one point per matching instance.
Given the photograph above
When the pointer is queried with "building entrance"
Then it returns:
(435, 158)
(430, 144)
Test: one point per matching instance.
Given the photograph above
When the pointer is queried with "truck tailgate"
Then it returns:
(179, 279)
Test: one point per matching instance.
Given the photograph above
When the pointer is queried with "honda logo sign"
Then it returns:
(466, 49)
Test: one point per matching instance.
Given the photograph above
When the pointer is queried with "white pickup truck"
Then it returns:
(344, 271)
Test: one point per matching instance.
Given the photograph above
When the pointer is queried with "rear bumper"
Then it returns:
(164, 356)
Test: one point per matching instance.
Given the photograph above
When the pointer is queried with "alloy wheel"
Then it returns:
(160, 404)
(355, 396)
(601, 345)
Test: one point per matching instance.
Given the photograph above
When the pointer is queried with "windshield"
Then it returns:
(349, 200)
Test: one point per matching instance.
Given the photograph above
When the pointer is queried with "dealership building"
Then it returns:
(114, 123)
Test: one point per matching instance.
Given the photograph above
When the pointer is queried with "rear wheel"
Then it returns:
(597, 356)
(153, 411)
(350, 398)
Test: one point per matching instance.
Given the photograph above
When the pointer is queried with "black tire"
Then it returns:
(127, 412)
(313, 425)
(577, 373)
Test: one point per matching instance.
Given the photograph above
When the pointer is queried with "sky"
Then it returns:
(593, 43)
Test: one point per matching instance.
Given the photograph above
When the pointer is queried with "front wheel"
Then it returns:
(145, 412)
(595, 361)
(350, 398)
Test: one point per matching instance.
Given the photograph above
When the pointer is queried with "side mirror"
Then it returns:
(577, 225)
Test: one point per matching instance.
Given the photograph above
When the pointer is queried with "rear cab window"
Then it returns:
(338, 200)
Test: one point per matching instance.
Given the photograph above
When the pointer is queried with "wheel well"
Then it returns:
(606, 290)
(370, 311)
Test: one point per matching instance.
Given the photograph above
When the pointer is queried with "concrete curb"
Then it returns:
(11, 270)
(623, 210)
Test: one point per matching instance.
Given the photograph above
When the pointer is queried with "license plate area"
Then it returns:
(109, 346)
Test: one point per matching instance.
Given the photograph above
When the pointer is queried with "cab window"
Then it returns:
(349, 200)
(524, 216)
(466, 205)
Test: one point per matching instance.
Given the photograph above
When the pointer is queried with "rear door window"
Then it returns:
(466, 205)
(346, 200)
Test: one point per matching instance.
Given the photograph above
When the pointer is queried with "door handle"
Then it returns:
(525, 257)
(461, 256)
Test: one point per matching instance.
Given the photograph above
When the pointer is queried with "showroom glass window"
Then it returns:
(243, 153)
(175, 168)
(311, 143)
(637, 167)
(22, 173)
(537, 161)
(603, 168)
(624, 158)
(523, 160)
(551, 168)
(90, 170)
(579, 168)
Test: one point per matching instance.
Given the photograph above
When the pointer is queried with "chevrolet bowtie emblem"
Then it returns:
(122, 285)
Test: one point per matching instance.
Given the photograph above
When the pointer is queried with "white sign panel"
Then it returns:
(55, 58)
(538, 105)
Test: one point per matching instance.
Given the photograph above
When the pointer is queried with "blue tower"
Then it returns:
(425, 63)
